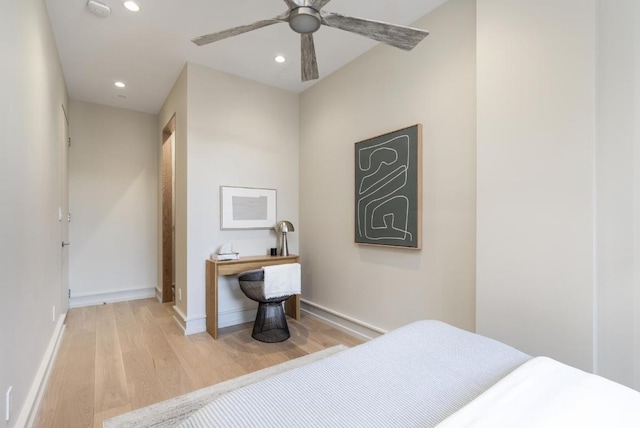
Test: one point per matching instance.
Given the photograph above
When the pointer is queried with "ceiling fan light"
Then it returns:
(304, 20)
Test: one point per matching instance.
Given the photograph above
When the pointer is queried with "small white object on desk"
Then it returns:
(225, 253)
(226, 256)
(282, 280)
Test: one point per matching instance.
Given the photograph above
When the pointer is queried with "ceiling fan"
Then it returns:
(306, 17)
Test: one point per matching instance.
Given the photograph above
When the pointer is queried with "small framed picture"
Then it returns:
(247, 208)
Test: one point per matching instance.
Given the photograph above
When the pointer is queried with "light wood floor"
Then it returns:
(119, 357)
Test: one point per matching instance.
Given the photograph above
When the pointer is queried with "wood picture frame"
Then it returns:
(388, 189)
(247, 208)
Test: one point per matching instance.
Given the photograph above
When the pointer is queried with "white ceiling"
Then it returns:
(148, 49)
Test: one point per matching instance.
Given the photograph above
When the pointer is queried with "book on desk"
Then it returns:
(225, 256)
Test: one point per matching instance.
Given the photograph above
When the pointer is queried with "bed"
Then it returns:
(426, 374)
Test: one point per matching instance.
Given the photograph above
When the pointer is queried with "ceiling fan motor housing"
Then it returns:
(304, 20)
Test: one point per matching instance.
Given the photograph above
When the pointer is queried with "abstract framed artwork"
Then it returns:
(247, 208)
(388, 189)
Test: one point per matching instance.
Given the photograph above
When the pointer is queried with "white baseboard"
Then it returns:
(198, 324)
(343, 322)
(27, 416)
(236, 316)
(190, 325)
(111, 297)
(355, 327)
(180, 318)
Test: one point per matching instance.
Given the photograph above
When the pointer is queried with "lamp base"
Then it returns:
(284, 248)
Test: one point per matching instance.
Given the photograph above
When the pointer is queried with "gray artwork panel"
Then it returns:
(386, 189)
(249, 208)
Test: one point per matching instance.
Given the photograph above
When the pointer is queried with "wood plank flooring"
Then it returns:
(119, 357)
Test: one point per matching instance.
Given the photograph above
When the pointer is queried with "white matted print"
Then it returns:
(247, 208)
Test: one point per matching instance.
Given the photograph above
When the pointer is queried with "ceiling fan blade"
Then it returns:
(220, 35)
(319, 4)
(394, 35)
(309, 63)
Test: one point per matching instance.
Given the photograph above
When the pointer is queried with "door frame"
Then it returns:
(167, 220)
(65, 143)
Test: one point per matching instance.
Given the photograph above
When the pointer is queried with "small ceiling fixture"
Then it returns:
(280, 59)
(120, 84)
(98, 8)
(132, 6)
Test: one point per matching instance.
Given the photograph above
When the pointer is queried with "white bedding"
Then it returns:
(545, 393)
(423, 375)
(415, 376)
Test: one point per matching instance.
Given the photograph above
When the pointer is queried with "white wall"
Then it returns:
(618, 133)
(536, 141)
(231, 132)
(558, 212)
(384, 90)
(30, 184)
(113, 184)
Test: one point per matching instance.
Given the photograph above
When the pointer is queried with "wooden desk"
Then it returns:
(233, 267)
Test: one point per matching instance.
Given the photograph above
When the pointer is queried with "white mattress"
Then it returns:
(415, 376)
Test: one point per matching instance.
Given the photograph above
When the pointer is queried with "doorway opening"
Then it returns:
(168, 211)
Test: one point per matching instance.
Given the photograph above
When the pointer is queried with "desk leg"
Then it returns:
(292, 307)
(212, 300)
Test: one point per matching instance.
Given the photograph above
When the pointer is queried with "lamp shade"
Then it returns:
(284, 226)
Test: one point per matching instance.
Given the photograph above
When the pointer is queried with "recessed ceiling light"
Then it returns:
(120, 84)
(280, 58)
(132, 6)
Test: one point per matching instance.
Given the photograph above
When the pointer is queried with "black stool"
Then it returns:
(271, 324)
